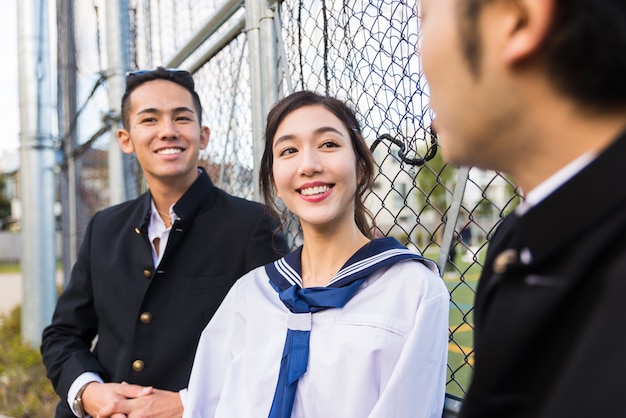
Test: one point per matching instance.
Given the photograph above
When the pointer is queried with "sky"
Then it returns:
(9, 105)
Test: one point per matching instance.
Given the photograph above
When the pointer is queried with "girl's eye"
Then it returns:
(287, 151)
(330, 144)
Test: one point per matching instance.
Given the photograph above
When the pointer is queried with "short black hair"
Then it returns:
(136, 78)
(583, 49)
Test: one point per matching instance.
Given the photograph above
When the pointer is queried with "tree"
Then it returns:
(5, 204)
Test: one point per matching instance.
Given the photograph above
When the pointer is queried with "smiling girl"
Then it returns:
(344, 326)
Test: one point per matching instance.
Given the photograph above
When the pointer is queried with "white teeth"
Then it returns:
(168, 151)
(314, 190)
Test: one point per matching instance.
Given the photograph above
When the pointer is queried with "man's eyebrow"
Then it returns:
(318, 131)
(182, 109)
(179, 109)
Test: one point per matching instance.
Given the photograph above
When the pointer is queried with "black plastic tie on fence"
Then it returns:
(430, 153)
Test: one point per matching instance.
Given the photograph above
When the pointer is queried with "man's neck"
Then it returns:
(563, 136)
(166, 193)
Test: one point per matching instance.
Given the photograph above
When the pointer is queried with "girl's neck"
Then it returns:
(323, 256)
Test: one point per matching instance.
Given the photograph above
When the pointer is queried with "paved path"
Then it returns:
(11, 291)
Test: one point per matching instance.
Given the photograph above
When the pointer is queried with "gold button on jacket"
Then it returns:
(138, 365)
(145, 317)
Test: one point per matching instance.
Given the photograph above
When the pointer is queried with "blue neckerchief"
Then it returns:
(286, 279)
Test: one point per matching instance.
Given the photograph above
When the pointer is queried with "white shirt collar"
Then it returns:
(156, 225)
(158, 229)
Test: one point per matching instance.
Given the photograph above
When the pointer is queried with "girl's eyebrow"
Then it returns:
(318, 131)
(282, 138)
(325, 129)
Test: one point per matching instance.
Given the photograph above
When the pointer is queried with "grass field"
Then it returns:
(9, 267)
(461, 280)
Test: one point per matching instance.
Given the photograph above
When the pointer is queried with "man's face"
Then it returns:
(164, 133)
(463, 95)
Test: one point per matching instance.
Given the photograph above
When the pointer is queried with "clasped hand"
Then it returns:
(121, 400)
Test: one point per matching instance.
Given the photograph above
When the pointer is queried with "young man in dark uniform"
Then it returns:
(151, 272)
(537, 89)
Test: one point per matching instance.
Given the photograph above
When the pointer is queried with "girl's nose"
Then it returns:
(310, 163)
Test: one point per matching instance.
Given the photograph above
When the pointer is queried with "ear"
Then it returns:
(205, 134)
(529, 22)
(123, 138)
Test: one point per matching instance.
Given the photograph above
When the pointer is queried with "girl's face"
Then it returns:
(314, 168)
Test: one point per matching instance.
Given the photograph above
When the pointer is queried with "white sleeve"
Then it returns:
(80, 381)
(416, 388)
(213, 356)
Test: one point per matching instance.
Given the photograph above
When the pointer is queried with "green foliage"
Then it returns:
(432, 180)
(5, 203)
(24, 389)
(10, 267)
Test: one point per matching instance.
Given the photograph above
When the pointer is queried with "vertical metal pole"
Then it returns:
(283, 65)
(262, 47)
(118, 54)
(452, 217)
(66, 98)
(36, 170)
(269, 57)
(253, 14)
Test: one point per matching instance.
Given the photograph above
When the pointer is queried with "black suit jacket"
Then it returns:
(152, 317)
(549, 333)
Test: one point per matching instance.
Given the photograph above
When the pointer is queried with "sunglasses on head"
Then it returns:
(183, 77)
(171, 70)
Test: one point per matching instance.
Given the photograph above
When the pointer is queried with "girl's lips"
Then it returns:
(315, 190)
(315, 193)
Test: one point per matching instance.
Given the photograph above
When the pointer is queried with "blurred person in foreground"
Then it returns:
(537, 89)
(347, 325)
(151, 272)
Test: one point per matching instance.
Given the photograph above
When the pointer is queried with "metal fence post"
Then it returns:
(70, 166)
(269, 55)
(253, 15)
(263, 73)
(452, 217)
(36, 170)
(118, 54)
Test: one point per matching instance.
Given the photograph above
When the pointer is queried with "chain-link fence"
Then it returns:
(360, 51)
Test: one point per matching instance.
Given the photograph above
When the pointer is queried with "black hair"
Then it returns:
(136, 78)
(583, 49)
(364, 159)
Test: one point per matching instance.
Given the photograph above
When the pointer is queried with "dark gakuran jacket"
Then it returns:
(549, 330)
(148, 320)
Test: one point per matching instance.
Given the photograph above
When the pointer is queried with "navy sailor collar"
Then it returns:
(287, 271)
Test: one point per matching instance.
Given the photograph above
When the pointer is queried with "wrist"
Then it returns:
(79, 408)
